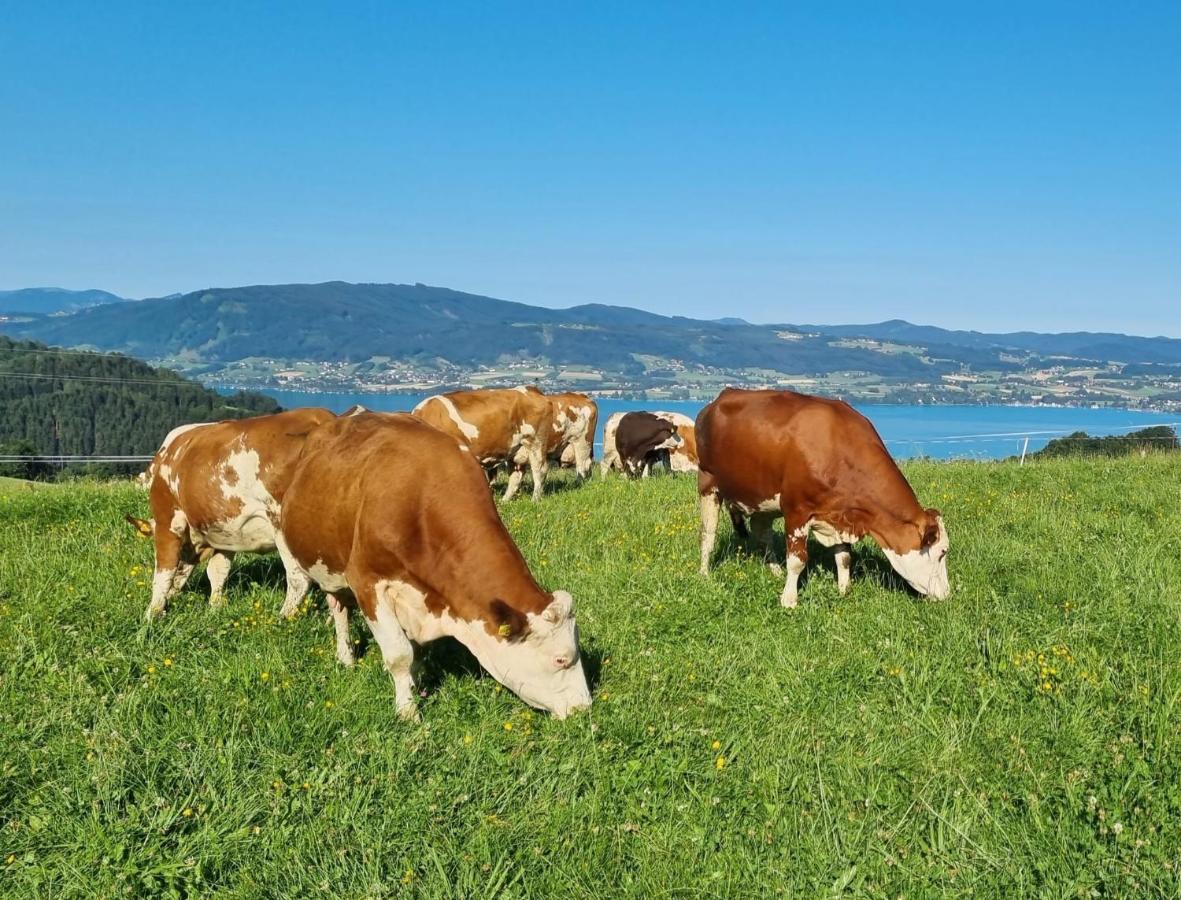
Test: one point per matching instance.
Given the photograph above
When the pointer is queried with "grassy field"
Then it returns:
(1019, 739)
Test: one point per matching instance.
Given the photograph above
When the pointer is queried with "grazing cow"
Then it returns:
(497, 427)
(576, 416)
(215, 489)
(820, 465)
(642, 439)
(394, 515)
(680, 459)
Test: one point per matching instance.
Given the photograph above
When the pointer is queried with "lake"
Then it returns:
(944, 432)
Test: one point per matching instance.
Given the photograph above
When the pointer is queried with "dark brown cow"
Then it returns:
(391, 513)
(498, 427)
(820, 465)
(641, 439)
(215, 489)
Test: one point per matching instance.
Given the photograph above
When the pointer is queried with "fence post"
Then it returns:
(1024, 447)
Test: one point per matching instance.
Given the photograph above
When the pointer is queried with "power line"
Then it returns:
(102, 379)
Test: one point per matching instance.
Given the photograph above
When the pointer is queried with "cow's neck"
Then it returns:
(480, 571)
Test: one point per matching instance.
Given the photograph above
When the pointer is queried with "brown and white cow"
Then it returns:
(215, 489)
(394, 515)
(680, 459)
(572, 442)
(498, 427)
(639, 440)
(820, 465)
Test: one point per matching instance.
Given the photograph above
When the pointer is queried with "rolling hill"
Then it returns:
(46, 301)
(338, 334)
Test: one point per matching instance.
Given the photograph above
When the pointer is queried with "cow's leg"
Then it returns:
(340, 622)
(539, 466)
(184, 568)
(514, 482)
(761, 527)
(711, 507)
(298, 583)
(609, 461)
(396, 650)
(844, 560)
(797, 559)
(217, 570)
(170, 547)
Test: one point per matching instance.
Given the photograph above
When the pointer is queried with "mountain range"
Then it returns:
(49, 300)
(433, 329)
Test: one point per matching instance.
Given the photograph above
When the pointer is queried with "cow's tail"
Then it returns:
(143, 526)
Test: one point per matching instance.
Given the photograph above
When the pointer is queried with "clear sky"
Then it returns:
(990, 165)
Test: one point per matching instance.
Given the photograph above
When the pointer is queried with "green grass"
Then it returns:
(869, 744)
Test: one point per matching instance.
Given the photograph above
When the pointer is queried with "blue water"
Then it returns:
(945, 432)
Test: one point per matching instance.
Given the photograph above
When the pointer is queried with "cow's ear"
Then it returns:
(931, 531)
(560, 607)
(508, 623)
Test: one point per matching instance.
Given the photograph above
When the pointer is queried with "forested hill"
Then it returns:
(58, 402)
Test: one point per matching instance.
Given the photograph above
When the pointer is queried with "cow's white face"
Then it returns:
(672, 442)
(543, 668)
(925, 569)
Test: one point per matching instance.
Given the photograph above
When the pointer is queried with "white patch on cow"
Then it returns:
(521, 389)
(770, 505)
(925, 570)
(467, 429)
(464, 447)
(252, 528)
(179, 523)
(328, 580)
(826, 535)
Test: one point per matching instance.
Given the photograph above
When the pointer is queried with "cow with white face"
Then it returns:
(394, 516)
(215, 489)
(821, 466)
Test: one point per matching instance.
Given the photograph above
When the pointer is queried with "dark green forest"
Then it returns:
(65, 403)
(1157, 438)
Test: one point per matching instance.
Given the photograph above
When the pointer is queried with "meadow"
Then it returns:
(1020, 738)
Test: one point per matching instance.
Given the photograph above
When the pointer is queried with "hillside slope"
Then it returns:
(45, 301)
(67, 403)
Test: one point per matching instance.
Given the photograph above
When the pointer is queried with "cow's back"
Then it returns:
(491, 423)
(221, 473)
(753, 445)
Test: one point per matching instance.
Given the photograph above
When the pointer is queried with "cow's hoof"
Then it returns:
(345, 659)
(777, 571)
(409, 713)
(217, 602)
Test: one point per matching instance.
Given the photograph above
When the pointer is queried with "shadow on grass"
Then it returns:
(868, 562)
(264, 571)
(447, 656)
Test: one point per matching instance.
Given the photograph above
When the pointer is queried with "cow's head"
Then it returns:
(925, 567)
(535, 655)
(667, 438)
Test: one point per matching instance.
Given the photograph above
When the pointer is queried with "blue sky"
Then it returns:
(999, 166)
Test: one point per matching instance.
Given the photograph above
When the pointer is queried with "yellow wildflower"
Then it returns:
(720, 763)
